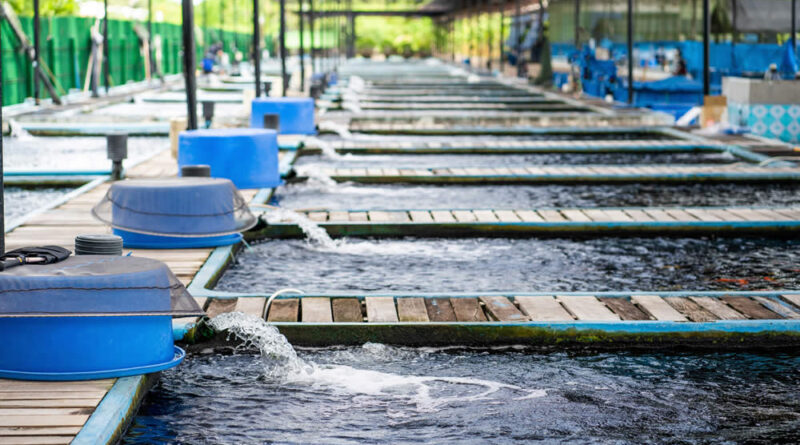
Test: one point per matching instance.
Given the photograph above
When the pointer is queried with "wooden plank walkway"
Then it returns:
(54, 412)
(520, 145)
(779, 221)
(544, 174)
(707, 319)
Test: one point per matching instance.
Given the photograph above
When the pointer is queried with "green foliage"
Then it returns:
(394, 35)
(46, 7)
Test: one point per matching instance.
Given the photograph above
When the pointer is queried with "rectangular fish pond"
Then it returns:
(324, 194)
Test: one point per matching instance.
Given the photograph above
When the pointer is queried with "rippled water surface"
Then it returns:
(72, 153)
(20, 201)
(483, 265)
(381, 394)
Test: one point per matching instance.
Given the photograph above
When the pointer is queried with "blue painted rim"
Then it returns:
(177, 358)
(174, 242)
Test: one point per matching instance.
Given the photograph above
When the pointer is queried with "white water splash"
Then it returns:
(17, 131)
(337, 128)
(426, 393)
(324, 146)
(314, 232)
(317, 178)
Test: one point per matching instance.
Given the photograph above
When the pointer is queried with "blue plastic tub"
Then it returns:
(175, 213)
(87, 317)
(246, 156)
(143, 241)
(296, 114)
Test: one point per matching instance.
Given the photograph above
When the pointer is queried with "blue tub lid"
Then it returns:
(177, 207)
(94, 285)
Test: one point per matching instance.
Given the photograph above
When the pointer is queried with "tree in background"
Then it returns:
(46, 7)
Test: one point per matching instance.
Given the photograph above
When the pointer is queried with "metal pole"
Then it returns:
(150, 37)
(517, 42)
(36, 33)
(794, 26)
(302, 51)
(577, 21)
(235, 34)
(189, 64)
(256, 48)
(630, 52)
(311, 36)
(2, 186)
(502, 32)
(106, 44)
(282, 39)
(706, 48)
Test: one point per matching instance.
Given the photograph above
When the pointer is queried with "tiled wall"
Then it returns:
(773, 121)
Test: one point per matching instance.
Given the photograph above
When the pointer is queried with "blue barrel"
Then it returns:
(296, 113)
(87, 317)
(246, 156)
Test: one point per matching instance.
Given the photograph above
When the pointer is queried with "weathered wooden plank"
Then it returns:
(251, 306)
(318, 216)
(507, 216)
(51, 403)
(624, 308)
(443, 216)
(36, 440)
(284, 310)
(54, 393)
(40, 431)
(751, 308)
(502, 309)
(551, 215)
(485, 216)
(339, 216)
(467, 309)
(585, 307)
(440, 309)
(792, 298)
(43, 420)
(464, 216)
(81, 385)
(544, 308)
(381, 310)
(528, 216)
(657, 308)
(421, 216)
(575, 215)
(347, 310)
(718, 308)
(316, 310)
(412, 310)
(378, 216)
(358, 216)
(778, 308)
(217, 306)
(690, 309)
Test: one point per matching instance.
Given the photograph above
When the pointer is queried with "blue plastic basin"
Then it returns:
(246, 156)
(144, 241)
(296, 114)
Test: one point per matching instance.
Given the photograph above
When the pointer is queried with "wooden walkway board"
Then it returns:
(780, 309)
(316, 310)
(47, 412)
(412, 310)
(587, 308)
(284, 310)
(544, 308)
(718, 308)
(381, 310)
(752, 308)
(440, 309)
(467, 310)
(690, 309)
(347, 310)
(251, 305)
(624, 308)
(502, 309)
(657, 308)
